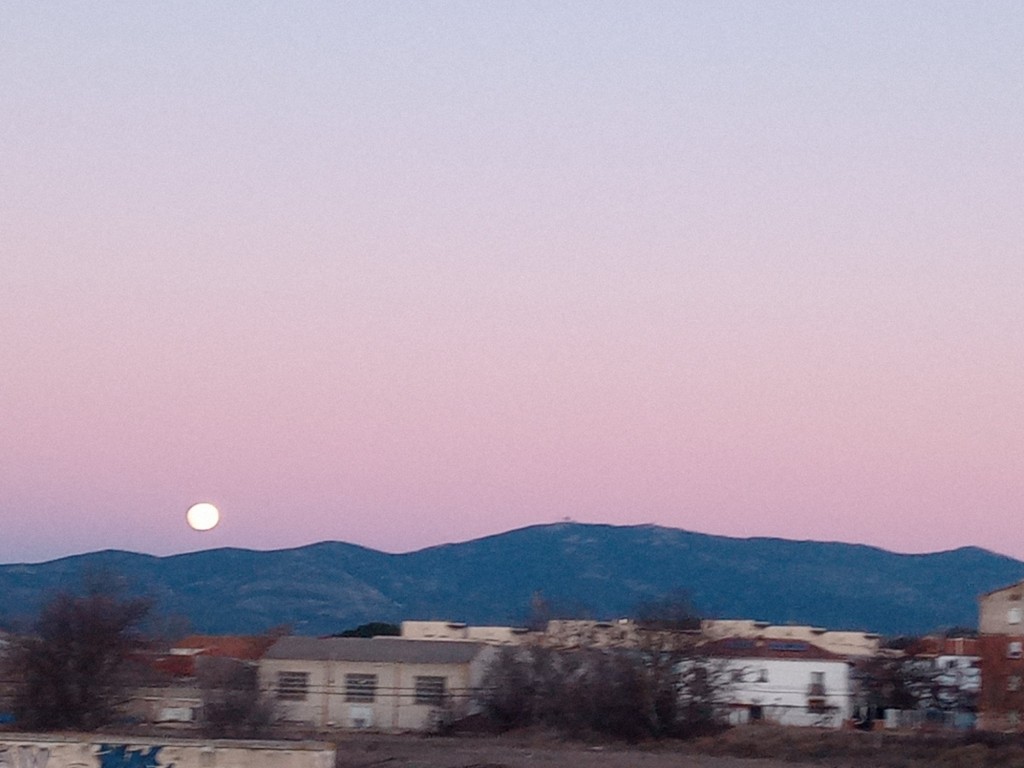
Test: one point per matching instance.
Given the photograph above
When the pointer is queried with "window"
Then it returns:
(1014, 650)
(798, 646)
(817, 687)
(430, 690)
(1013, 616)
(292, 686)
(762, 676)
(360, 688)
(817, 706)
(1013, 683)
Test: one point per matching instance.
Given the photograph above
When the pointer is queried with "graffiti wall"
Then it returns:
(39, 751)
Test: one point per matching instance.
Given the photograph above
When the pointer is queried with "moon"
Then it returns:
(202, 516)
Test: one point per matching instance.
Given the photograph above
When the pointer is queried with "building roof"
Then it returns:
(180, 660)
(1015, 585)
(944, 646)
(768, 648)
(230, 646)
(374, 649)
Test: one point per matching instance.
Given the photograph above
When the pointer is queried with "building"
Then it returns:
(1001, 611)
(852, 644)
(956, 670)
(560, 634)
(1001, 648)
(788, 682)
(383, 683)
(1001, 701)
(457, 630)
(174, 687)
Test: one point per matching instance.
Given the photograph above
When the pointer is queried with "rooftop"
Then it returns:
(375, 649)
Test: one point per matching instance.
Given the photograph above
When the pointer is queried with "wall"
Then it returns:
(783, 696)
(434, 630)
(178, 702)
(841, 642)
(452, 630)
(95, 751)
(1001, 703)
(995, 616)
(394, 707)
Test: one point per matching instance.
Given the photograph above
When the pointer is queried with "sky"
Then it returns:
(406, 273)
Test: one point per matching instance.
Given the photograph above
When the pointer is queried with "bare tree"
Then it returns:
(233, 705)
(71, 671)
(629, 693)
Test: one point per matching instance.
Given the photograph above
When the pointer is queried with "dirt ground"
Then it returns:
(371, 751)
(745, 747)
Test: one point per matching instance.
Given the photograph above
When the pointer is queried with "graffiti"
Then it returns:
(123, 756)
(24, 757)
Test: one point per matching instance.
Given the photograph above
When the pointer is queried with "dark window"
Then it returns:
(817, 706)
(430, 690)
(738, 644)
(292, 686)
(360, 688)
(784, 645)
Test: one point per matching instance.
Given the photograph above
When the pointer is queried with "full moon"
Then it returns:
(202, 516)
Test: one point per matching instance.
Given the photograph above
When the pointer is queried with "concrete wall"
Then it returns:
(33, 750)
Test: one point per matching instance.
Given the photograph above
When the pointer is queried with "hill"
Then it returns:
(600, 571)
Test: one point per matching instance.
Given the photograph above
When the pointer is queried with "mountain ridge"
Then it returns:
(587, 569)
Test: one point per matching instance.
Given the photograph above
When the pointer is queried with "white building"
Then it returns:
(789, 682)
(457, 630)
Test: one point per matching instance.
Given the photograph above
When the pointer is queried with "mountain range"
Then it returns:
(572, 569)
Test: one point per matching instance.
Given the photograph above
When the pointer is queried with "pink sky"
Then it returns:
(404, 274)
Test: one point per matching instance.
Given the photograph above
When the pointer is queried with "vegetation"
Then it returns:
(86, 652)
(661, 687)
(372, 629)
(617, 693)
(233, 705)
(71, 673)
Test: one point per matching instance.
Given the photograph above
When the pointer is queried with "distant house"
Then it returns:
(955, 665)
(561, 634)
(1001, 611)
(1001, 702)
(457, 630)
(171, 692)
(849, 643)
(383, 683)
(788, 682)
(1001, 648)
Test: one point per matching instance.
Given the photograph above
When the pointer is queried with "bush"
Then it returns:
(624, 694)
